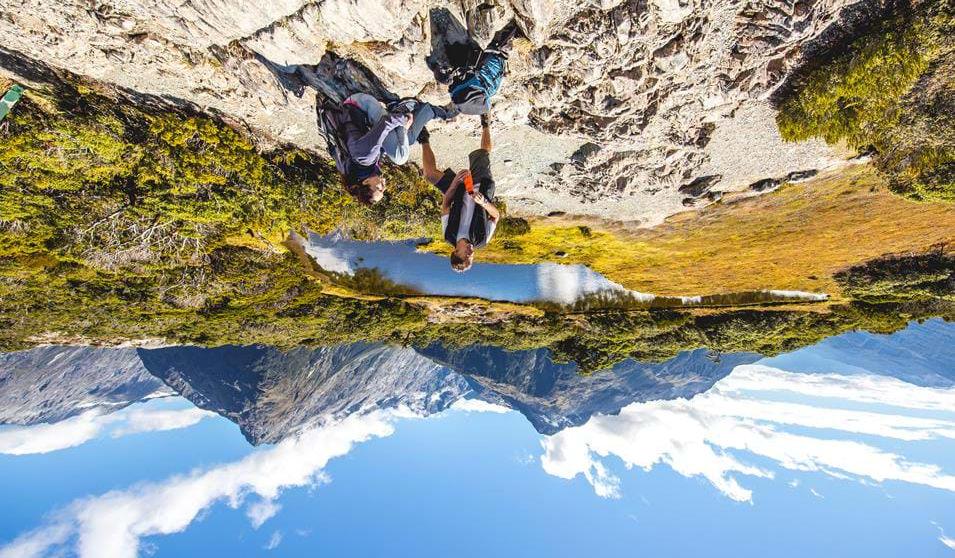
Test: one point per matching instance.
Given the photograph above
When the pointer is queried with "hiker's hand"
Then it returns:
(479, 198)
(459, 178)
(408, 120)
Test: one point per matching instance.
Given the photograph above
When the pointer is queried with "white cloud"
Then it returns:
(111, 525)
(478, 406)
(44, 438)
(816, 494)
(139, 420)
(860, 388)
(943, 538)
(37, 542)
(564, 284)
(75, 431)
(332, 257)
(261, 511)
(700, 437)
(274, 541)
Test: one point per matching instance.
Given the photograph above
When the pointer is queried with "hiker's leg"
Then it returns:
(395, 146)
(430, 165)
(485, 134)
(423, 113)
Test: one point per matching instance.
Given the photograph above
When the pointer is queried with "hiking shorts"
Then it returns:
(479, 162)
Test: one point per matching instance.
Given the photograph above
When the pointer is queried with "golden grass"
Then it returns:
(794, 238)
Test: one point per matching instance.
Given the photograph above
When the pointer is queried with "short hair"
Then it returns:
(458, 263)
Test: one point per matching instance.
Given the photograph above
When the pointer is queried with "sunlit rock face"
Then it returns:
(609, 108)
(272, 394)
(51, 384)
(554, 396)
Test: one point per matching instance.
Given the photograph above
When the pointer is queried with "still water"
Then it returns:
(846, 448)
(548, 283)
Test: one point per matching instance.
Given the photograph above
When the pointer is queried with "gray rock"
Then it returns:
(801, 176)
(271, 393)
(50, 384)
(647, 80)
(764, 185)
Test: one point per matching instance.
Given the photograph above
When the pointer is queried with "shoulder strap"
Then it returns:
(329, 126)
(454, 217)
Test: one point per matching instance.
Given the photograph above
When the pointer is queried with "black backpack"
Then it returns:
(332, 118)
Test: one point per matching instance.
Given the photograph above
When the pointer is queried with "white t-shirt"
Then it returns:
(467, 213)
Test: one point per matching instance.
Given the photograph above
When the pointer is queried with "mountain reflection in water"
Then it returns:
(571, 286)
(858, 412)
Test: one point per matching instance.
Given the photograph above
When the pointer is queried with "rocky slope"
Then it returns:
(271, 394)
(555, 396)
(612, 108)
(53, 383)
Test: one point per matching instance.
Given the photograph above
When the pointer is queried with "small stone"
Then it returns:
(800, 176)
(764, 185)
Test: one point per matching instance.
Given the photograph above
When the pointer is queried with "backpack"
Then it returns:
(473, 88)
(332, 117)
(471, 96)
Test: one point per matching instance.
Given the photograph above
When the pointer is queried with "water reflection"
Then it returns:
(742, 413)
(752, 429)
(576, 287)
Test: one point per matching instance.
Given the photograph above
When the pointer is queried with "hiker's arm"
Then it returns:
(366, 150)
(492, 211)
(429, 163)
(449, 193)
(402, 149)
(448, 198)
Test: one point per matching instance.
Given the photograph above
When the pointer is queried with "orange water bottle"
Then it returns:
(469, 183)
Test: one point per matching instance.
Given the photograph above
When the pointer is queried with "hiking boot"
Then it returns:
(444, 74)
(447, 112)
(403, 106)
(501, 43)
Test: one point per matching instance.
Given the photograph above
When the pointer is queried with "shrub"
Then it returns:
(890, 89)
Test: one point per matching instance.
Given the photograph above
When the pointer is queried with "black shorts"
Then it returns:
(479, 162)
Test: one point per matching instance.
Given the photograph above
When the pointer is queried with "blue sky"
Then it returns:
(768, 462)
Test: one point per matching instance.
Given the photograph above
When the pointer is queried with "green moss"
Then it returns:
(902, 278)
(880, 93)
(116, 224)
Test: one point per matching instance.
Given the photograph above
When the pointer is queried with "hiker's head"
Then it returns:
(369, 191)
(462, 256)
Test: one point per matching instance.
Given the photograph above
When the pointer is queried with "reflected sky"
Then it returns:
(431, 273)
(822, 452)
(562, 284)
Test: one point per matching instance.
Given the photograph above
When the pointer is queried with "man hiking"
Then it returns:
(473, 76)
(361, 130)
(468, 215)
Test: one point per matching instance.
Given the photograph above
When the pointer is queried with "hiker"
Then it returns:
(361, 130)
(471, 86)
(468, 215)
